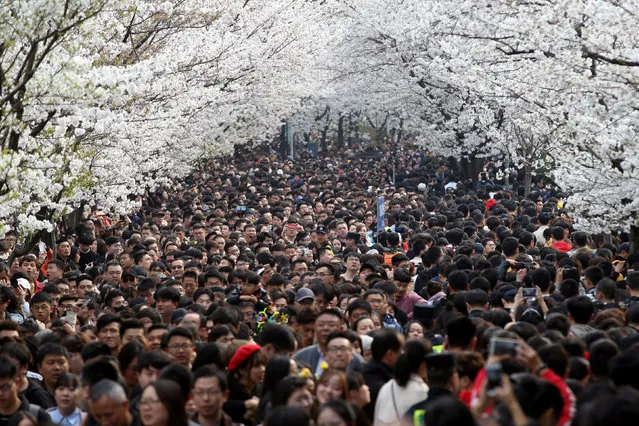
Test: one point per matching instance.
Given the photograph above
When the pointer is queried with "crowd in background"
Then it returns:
(261, 291)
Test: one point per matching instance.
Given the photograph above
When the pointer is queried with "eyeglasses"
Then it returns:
(182, 347)
(339, 349)
(209, 392)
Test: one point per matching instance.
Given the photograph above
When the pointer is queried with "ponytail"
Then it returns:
(409, 362)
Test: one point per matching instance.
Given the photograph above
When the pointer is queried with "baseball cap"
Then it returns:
(304, 293)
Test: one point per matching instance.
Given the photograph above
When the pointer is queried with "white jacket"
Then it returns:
(394, 401)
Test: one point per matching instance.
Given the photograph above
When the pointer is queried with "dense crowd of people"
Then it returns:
(267, 292)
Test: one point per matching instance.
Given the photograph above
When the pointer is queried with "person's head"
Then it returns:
(442, 371)
(539, 399)
(109, 330)
(53, 361)
(109, 404)
(66, 392)
(580, 309)
(210, 392)
(248, 365)
(377, 299)
(180, 343)
(332, 385)
(476, 299)
(150, 364)
(132, 330)
(358, 390)
(448, 411)
(414, 330)
(469, 364)
(9, 329)
(336, 413)
(339, 351)
(155, 334)
(276, 339)
(606, 290)
(285, 416)
(292, 391)
(460, 334)
(412, 361)
(363, 325)
(328, 321)
(601, 352)
(163, 404)
(9, 382)
(41, 304)
(387, 346)
(358, 308)
(166, 301)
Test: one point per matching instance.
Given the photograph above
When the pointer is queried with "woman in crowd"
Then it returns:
(162, 404)
(246, 371)
(332, 385)
(407, 388)
(66, 393)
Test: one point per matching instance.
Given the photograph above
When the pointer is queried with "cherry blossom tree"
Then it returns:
(103, 100)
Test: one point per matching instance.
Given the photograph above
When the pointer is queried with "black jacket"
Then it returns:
(375, 375)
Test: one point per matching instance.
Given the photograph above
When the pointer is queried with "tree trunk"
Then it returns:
(634, 238)
(340, 132)
(324, 141)
(527, 180)
(283, 142)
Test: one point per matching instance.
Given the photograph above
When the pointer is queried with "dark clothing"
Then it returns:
(36, 394)
(261, 295)
(376, 374)
(631, 300)
(87, 258)
(37, 412)
(433, 395)
(234, 406)
(225, 420)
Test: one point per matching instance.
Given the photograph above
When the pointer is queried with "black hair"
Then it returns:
(51, 349)
(601, 352)
(8, 369)
(133, 324)
(167, 293)
(286, 416)
(179, 374)
(67, 380)
(107, 319)
(384, 340)
(285, 388)
(277, 335)
(410, 361)
(556, 358)
(460, 332)
(580, 308)
(177, 331)
(209, 353)
(448, 411)
(343, 409)
(97, 370)
(207, 371)
(17, 351)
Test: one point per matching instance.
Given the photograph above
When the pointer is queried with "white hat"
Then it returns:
(24, 283)
(421, 187)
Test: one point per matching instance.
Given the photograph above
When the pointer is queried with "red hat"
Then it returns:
(241, 355)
